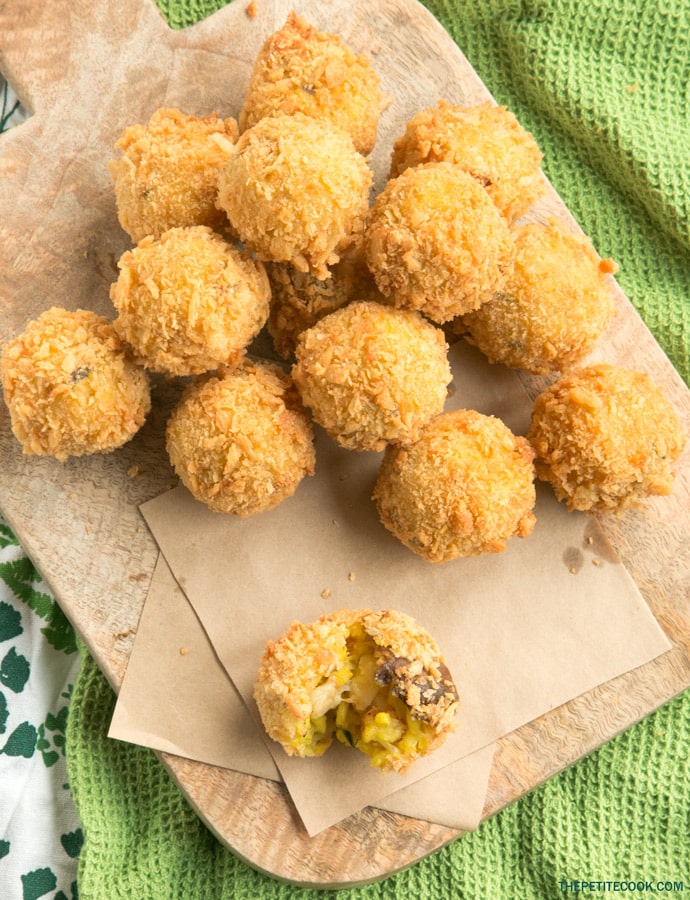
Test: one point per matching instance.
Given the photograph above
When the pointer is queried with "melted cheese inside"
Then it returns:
(361, 711)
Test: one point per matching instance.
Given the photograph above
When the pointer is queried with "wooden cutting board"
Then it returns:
(85, 71)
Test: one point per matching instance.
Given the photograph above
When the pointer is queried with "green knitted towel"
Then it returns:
(603, 85)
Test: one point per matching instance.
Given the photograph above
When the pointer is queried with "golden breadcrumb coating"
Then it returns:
(372, 374)
(71, 387)
(167, 175)
(435, 242)
(302, 70)
(554, 307)
(240, 442)
(463, 488)
(188, 301)
(296, 191)
(299, 300)
(606, 438)
(374, 680)
(485, 140)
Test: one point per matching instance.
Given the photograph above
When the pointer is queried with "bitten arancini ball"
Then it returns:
(240, 442)
(372, 374)
(606, 438)
(167, 175)
(302, 70)
(554, 307)
(435, 242)
(189, 302)
(296, 191)
(463, 488)
(485, 140)
(71, 387)
(374, 680)
(299, 300)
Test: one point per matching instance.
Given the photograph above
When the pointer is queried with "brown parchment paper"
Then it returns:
(523, 631)
(177, 697)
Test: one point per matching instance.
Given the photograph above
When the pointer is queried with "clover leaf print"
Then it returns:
(38, 883)
(20, 576)
(21, 742)
(7, 538)
(53, 728)
(14, 671)
(10, 622)
(72, 842)
(14, 674)
(4, 713)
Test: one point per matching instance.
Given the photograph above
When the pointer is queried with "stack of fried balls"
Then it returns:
(267, 223)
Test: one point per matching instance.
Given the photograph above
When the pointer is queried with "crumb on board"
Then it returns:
(325, 593)
(184, 651)
(140, 576)
(608, 266)
(596, 562)
(573, 570)
(251, 9)
(351, 576)
(121, 635)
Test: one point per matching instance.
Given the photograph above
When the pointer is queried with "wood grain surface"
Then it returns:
(85, 69)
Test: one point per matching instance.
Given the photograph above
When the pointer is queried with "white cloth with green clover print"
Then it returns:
(40, 837)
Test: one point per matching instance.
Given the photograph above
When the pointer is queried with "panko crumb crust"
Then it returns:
(375, 680)
(555, 305)
(465, 487)
(189, 301)
(300, 69)
(71, 386)
(299, 300)
(166, 176)
(371, 374)
(435, 242)
(240, 442)
(485, 140)
(296, 191)
(606, 438)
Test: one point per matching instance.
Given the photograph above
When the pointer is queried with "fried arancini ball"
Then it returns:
(485, 140)
(167, 174)
(435, 242)
(71, 387)
(240, 442)
(374, 680)
(300, 69)
(296, 191)
(605, 438)
(188, 301)
(372, 374)
(299, 300)
(554, 307)
(463, 488)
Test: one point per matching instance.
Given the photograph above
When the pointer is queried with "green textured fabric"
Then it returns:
(603, 85)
